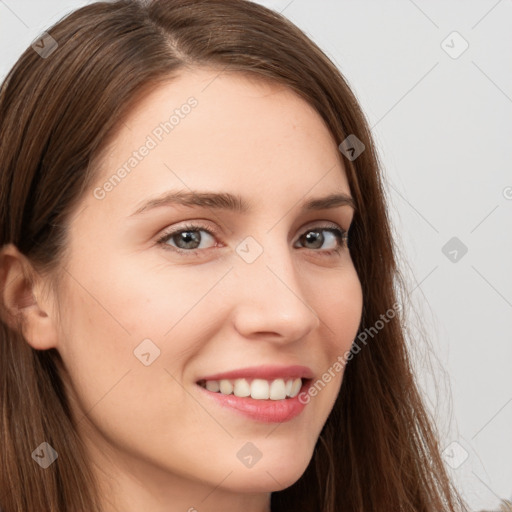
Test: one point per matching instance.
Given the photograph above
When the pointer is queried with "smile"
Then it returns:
(258, 389)
(265, 410)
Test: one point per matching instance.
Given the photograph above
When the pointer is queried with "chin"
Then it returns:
(275, 474)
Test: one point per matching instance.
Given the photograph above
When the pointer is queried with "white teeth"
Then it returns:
(296, 387)
(278, 390)
(226, 388)
(241, 388)
(212, 385)
(258, 389)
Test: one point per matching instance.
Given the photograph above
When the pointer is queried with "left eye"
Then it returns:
(315, 236)
(187, 240)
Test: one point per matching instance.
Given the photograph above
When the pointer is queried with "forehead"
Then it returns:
(207, 129)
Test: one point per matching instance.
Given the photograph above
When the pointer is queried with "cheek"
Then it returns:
(115, 319)
(93, 344)
(340, 306)
(106, 319)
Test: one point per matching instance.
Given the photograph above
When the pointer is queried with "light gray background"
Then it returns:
(443, 129)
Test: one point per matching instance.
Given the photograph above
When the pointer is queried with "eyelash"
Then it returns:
(342, 238)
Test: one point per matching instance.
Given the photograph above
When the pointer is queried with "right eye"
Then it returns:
(187, 239)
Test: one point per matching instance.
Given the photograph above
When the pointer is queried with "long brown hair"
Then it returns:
(378, 450)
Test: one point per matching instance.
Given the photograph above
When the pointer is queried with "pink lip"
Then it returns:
(269, 372)
(267, 411)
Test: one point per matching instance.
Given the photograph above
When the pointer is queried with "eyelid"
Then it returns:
(196, 225)
(191, 225)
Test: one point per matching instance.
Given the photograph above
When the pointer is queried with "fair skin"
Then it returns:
(156, 444)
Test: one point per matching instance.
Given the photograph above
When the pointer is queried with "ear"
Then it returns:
(22, 305)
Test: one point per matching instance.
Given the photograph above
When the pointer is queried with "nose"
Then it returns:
(270, 298)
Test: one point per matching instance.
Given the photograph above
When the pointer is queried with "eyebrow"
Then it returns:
(233, 202)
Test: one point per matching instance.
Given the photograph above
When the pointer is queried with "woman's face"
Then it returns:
(142, 324)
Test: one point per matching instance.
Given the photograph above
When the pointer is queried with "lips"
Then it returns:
(278, 402)
(268, 372)
(259, 410)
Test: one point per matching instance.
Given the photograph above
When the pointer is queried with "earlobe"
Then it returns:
(22, 307)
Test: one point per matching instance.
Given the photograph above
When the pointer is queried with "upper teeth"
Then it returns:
(259, 389)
